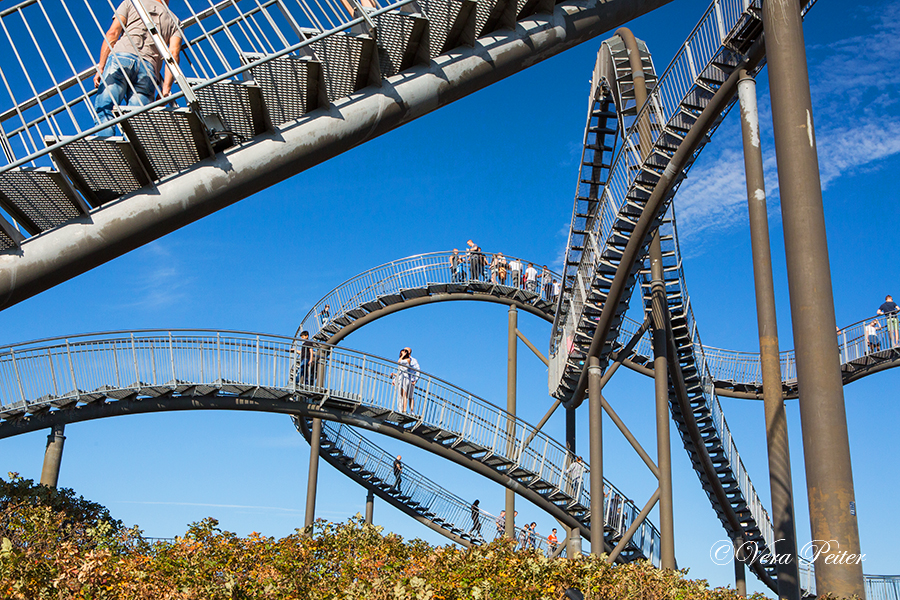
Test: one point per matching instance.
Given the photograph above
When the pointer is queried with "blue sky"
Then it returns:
(498, 167)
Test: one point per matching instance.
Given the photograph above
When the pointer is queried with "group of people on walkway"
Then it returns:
(499, 270)
(526, 538)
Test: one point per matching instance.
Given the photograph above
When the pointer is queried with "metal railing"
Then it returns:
(44, 374)
(856, 341)
(417, 490)
(423, 271)
(53, 47)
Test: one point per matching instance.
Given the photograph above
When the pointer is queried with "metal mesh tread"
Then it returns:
(39, 199)
(446, 21)
(345, 62)
(238, 105)
(7, 233)
(290, 87)
(168, 140)
(399, 35)
(487, 15)
(101, 168)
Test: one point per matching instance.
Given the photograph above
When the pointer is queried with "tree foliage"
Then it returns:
(47, 553)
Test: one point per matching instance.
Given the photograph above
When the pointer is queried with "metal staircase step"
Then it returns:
(399, 37)
(102, 169)
(447, 24)
(291, 86)
(167, 140)
(346, 62)
(238, 105)
(39, 198)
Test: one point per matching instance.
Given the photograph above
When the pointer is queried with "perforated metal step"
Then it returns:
(167, 140)
(101, 168)
(238, 105)
(447, 20)
(399, 36)
(290, 86)
(346, 59)
(39, 199)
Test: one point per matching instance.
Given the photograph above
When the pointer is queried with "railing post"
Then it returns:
(172, 359)
(12, 353)
(137, 374)
(71, 370)
(257, 361)
(52, 372)
(116, 362)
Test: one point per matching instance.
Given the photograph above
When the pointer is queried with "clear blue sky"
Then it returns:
(498, 167)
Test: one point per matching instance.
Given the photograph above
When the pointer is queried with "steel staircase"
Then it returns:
(253, 74)
(416, 496)
(712, 51)
(76, 379)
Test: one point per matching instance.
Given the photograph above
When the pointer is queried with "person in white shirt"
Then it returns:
(575, 472)
(531, 275)
(871, 330)
(515, 268)
(556, 289)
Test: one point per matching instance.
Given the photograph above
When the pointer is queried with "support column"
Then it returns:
(780, 480)
(314, 445)
(595, 418)
(826, 444)
(660, 321)
(511, 361)
(570, 430)
(53, 456)
(740, 577)
(370, 506)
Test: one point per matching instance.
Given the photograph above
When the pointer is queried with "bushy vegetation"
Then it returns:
(70, 548)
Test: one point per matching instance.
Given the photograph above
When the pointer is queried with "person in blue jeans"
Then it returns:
(128, 70)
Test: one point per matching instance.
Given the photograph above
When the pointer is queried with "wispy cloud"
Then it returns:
(855, 107)
(160, 283)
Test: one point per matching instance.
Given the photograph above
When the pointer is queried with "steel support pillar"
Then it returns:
(53, 456)
(570, 430)
(660, 320)
(315, 442)
(780, 479)
(370, 506)
(826, 444)
(511, 362)
(595, 419)
(740, 574)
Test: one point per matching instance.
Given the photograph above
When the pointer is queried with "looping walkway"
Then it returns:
(76, 379)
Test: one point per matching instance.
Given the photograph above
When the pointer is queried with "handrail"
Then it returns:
(419, 270)
(97, 366)
(478, 525)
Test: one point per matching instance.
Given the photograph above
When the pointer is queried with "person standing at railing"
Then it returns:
(398, 473)
(405, 379)
(554, 290)
(500, 524)
(575, 472)
(552, 541)
(456, 267)
(304, 361)
(890, 310)
(325, 315)
(515, 269)
(871, 330)
(546, 284)
(531, 278)
(476, 519)
(130, 61)
(476, 262)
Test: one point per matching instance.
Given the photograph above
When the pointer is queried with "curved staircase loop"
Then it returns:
(74, 379)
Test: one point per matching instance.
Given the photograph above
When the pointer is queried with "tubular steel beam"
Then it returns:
(780, 480)
(215, 183)
(823, 417)
(661, 321)
(595, 418)
(654, 204)
(53, 456)
(630, 437)
(511, 363)
(532, 347)
(370, 506)
(315, 442)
